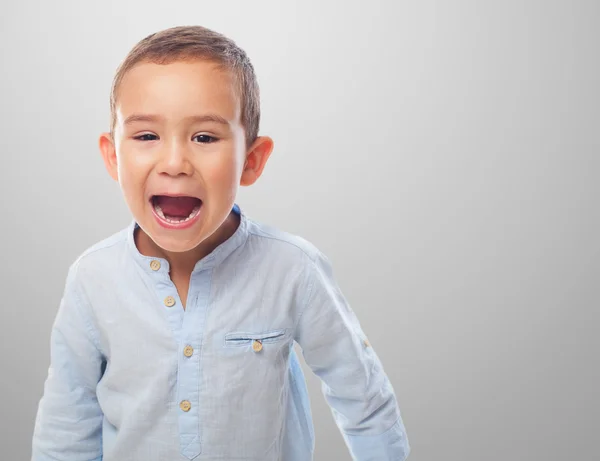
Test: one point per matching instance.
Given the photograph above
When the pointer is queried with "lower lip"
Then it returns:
(181, 225)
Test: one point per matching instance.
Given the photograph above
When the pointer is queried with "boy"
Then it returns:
(173, 339)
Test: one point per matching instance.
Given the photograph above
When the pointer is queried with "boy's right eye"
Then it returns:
(145, 137)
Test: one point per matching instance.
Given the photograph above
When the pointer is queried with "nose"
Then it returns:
(175, 160)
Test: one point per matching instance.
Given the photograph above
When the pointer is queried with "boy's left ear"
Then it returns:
(109, 155)
(256, 159)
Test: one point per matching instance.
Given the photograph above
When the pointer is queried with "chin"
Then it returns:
(174, 244)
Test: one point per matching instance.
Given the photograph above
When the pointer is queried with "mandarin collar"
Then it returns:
(157, 265)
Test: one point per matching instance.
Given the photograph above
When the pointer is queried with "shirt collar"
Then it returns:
(157, 265)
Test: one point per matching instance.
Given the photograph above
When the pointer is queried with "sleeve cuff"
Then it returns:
(39, 457)
(392, 445)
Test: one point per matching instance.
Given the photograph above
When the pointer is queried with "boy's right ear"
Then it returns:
(109, 155)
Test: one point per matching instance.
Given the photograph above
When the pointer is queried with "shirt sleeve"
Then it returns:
(68, 425)
(354, 383)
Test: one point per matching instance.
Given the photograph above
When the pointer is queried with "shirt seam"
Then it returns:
(274, 237)
(86, 306)
(91, 250)
(305, 415)
(309, 291)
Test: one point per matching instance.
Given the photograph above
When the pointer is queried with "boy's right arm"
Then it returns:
(68, 425)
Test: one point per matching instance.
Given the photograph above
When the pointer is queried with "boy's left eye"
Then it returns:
(204, 138)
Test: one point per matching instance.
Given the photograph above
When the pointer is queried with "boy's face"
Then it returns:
(178, 132)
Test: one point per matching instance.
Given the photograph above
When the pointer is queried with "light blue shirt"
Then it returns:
(134, 376)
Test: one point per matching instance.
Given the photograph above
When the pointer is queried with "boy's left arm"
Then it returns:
(354, 383)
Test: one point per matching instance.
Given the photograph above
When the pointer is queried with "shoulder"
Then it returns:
(300, 262)
(268, 239)
(100, 257)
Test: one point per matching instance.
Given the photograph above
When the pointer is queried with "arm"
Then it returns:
(354, 383)
(68, 425)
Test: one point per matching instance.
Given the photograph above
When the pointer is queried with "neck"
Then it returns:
(182, 263)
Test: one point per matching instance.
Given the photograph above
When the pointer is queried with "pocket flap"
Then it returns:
(244, 337)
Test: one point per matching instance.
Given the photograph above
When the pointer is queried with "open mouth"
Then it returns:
(176, 210)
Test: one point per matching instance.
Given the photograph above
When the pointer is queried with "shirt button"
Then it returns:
(185, 405)
(366, 341)
(257, 345)
(169, 301)
(155, 265)
(188, 351)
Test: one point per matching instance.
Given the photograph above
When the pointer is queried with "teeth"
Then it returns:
(160, 213)
(193, 213)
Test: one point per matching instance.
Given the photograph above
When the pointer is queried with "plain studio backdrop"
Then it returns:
(444, 155)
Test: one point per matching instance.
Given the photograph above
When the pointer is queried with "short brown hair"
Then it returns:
(183, 43)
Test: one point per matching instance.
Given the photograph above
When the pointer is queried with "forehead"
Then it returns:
(177, 90)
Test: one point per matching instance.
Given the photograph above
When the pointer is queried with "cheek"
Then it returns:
(131, 176)
(222, 173)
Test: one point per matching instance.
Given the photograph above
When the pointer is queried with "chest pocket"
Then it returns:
(256, 340)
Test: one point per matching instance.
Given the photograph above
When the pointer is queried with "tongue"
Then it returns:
(180, 207)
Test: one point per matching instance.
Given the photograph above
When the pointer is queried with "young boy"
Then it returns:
(174, 337)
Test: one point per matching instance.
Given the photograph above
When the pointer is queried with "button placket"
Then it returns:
(167, 293)
(188, 417)
(189, 366)
(188, 392)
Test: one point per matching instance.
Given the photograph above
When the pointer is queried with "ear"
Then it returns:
(109, 155)
(256, 159)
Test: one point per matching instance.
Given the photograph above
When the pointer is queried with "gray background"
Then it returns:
(444, 155)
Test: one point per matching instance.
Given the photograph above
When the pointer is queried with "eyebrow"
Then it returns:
(192, 118)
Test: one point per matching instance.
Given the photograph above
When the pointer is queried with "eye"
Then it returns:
(145, 137)
(205, 139)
